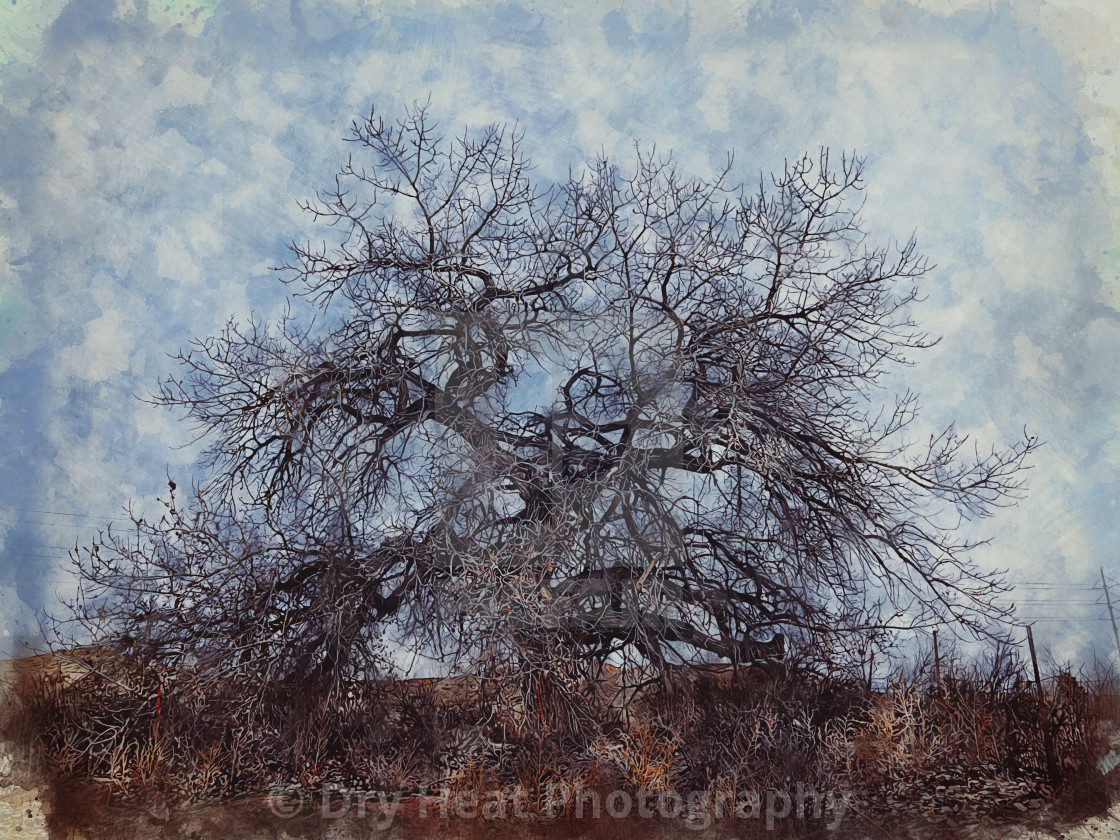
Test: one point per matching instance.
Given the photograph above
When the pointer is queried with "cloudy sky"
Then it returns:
(152, 156)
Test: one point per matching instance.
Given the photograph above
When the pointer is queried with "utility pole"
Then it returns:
(1111, 614)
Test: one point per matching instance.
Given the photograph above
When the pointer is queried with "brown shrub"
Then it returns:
(134, 731)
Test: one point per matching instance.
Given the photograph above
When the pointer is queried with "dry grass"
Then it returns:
(972, 744)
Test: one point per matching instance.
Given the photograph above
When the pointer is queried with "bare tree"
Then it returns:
(635, 412)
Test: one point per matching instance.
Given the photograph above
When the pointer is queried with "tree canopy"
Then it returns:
(635, 412)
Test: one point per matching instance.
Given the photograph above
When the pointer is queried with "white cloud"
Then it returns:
(180, 88)
(109, 339)
(174, 258)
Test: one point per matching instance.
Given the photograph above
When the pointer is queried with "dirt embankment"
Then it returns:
(21, 809)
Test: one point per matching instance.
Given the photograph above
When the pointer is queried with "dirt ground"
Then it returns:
(29, 811)
(22, 815)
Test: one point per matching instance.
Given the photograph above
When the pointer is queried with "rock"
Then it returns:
(1109, 763)
(158, 811)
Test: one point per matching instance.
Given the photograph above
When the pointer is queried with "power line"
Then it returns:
(83, 526)
(1078, 618)
(66, 513)
(1048, 606)
(43, 547)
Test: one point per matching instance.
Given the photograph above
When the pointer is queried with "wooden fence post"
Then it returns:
(1048, 746)
(936, 665)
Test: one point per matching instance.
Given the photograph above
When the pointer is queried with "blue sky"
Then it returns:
(152, 156)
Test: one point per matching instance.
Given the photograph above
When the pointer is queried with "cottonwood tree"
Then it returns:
(636, 412)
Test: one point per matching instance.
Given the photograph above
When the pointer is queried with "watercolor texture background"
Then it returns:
(151, 157)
